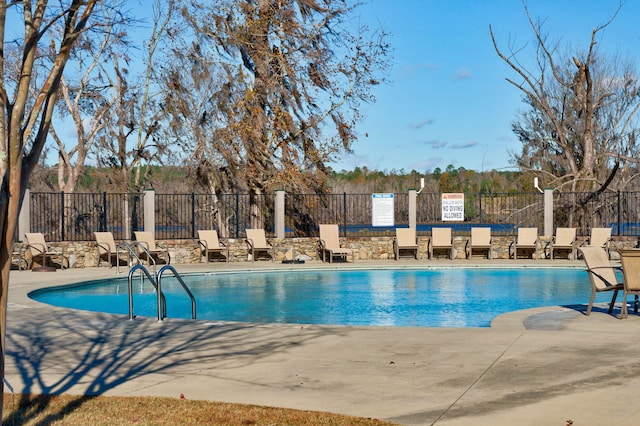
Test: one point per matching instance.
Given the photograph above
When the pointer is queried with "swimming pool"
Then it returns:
(446, 297)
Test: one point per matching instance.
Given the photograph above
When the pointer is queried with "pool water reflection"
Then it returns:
(447, 297)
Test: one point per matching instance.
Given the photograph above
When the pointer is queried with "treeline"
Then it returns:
(174, 179)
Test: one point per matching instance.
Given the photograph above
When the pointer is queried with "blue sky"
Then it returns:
(447, 101)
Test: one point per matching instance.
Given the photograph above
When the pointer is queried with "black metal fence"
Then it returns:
(179, 216)
(75, 216)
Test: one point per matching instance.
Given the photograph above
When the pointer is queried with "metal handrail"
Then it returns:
(181, 281)
(162, 301)
(129, 246)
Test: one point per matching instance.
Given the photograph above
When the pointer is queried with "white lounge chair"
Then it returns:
(526, 240)
(158, 252)
(38, 247)
(601, 274)
(329, 244)
(565, 239)
(405, 241)
(480, 240)
(440, 241)
(211, 246)
(600, 237)
(257, 244)
(631, 283)
(107, 248)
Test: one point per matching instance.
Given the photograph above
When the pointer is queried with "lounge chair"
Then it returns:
(329, 244)
(157, 252)
(211, 246)
(601, 274)
(38, 247)
(405, 241)
(631, 272)
(107, 248)
(526, 240)
(257, 244)
(440, 240)
(565, 239)
(600, 237)
(480, 240)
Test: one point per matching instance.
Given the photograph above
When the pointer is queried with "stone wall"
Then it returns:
(85, 254)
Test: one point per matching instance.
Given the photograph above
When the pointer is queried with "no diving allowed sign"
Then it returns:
(453, 207)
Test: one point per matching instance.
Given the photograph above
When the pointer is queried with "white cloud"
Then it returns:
(464, 145)
(423, 123)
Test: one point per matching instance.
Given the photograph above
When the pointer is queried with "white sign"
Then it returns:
(452, 207)
(382, 213)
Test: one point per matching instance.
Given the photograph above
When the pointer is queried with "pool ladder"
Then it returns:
(129, 247)
(156, 281)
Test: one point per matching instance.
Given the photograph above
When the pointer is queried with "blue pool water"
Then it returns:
(448, 297)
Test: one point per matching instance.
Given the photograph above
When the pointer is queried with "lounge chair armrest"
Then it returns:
(104, 247)
(249, 241)
(40, 248)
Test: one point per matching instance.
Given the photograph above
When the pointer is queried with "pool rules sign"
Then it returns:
(382, 210)
(452, 207)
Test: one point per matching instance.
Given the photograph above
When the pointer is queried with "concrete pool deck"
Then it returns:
(543, 366)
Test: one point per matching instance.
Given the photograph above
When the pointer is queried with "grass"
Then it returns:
(101, 410)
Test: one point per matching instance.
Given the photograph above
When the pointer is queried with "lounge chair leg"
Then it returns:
(591, 299)
(613, 301)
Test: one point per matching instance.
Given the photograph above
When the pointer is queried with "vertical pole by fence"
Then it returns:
(548, 212)
(238, 216)
(62, 215)
(24, 217)
(279, 214)
(480, 206)
(344, 214)
(412, 208)
(619, 218)
(103, 219)
(193, 215)
(149, 209)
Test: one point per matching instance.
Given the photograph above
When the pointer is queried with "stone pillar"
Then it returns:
(279, 214)
(24, 223)
(548, 212)
(150, 211)
(412, 208)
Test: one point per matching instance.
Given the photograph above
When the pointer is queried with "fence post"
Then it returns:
(548, 212)
(193, 215)
(62, 215)
(412, 208)
(619, 218)
(279, 214)
(238, 216)
(24, 218)
(149, 210)
(344, 206)
(103, 221)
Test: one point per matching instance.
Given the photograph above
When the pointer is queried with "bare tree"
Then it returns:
(130, 139)
(286, 79)
(84, 94)
(580, 120)
(26, 118)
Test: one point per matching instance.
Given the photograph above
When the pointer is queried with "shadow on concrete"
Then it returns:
(88, 354)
